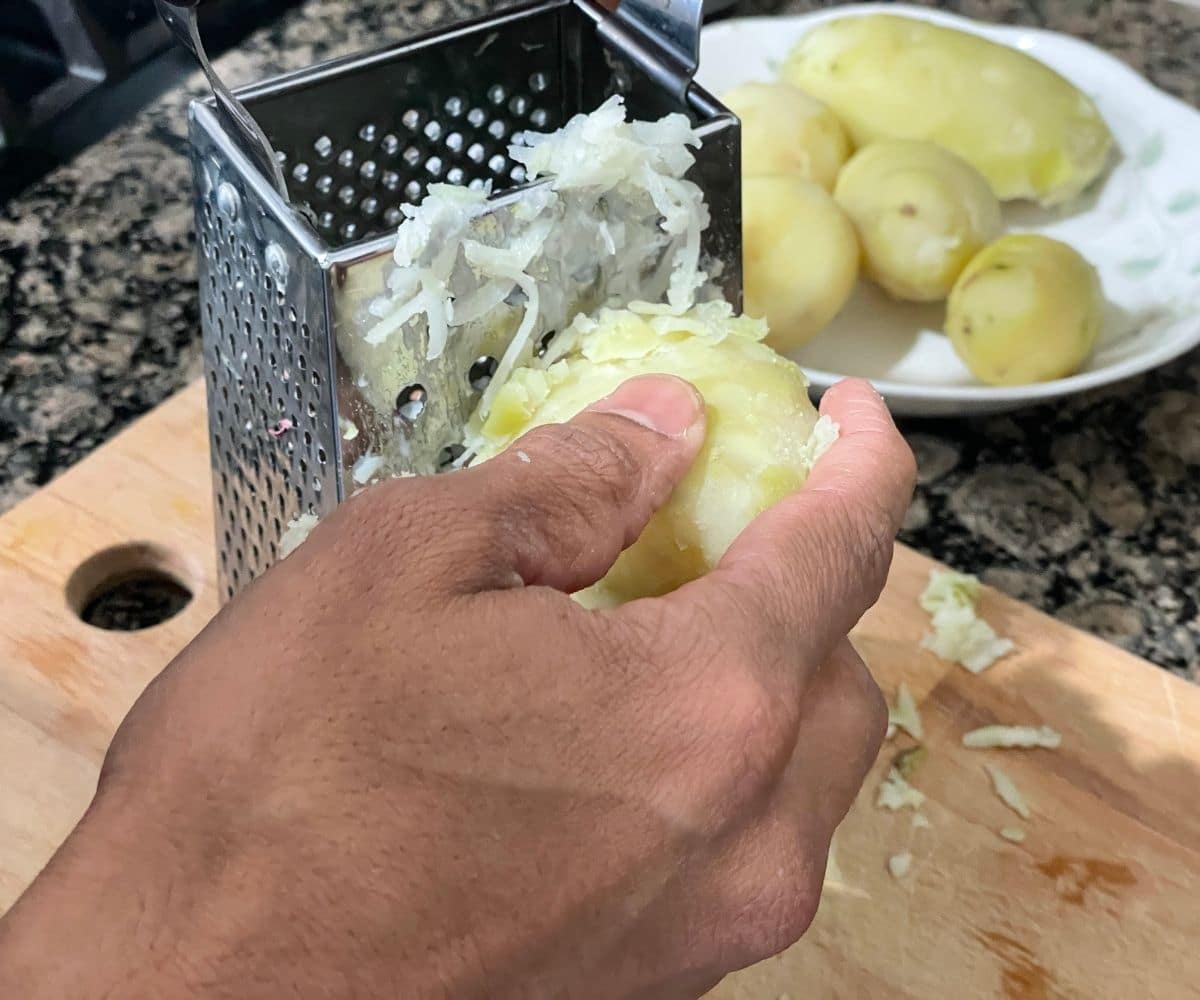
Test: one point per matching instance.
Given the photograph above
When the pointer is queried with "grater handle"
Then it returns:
(180, 17)
(674, 25)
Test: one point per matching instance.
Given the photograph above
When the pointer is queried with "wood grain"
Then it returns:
(1101, 900)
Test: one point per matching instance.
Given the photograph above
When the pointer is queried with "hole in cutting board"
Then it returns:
(128, 588)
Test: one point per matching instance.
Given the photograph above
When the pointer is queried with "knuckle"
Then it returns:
(780, 901)
(868, 541)
(750, 735)
(605, 464)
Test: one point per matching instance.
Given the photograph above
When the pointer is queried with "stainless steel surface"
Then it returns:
(181, 19)
(357, 138)
(671, 28)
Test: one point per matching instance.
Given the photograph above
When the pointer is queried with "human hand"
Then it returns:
(406, 763)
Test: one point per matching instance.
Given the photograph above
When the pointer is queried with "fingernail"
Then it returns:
(663, 403)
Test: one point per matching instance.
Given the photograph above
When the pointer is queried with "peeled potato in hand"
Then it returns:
(762, 438)
(800, 257)
(784, 131)
(1027, 309)
(921, 214)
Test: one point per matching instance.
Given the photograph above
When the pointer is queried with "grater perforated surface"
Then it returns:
(354, 186)
(270, 400)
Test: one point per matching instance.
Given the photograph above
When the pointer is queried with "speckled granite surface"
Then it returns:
(1087, 509)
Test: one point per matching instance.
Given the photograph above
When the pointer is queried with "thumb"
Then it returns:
(566, 499)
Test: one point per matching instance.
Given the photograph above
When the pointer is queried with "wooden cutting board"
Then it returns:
(1101, 900)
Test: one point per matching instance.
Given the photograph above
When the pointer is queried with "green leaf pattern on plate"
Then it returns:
(1139, 267)
(1152, 151)
(1185, 201)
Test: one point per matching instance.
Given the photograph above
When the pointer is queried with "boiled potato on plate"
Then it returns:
(921, 214)
(784, 131)
(1027, 129)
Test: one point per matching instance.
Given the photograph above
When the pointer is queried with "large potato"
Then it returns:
(921, 214)
(784, 131)
(758, 448)
(799, 254)
(1030, 132)
(1027, 309)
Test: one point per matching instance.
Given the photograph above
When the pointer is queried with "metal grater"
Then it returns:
(298, 183)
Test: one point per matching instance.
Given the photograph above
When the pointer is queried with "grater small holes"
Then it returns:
(449, 455)
(301, 363)
(412, 156)
(303, 465)
(316, 380)
(539, 117)
(349, 231)
(393, 215)
(303, 329)
(519, 105)
(316, 484)
(390, 180)
(518, 174)
(539, 82)
(497, 164)
(411, 119)
(412, 190)
(312, 410)
(367, 133)
(544, 343)
(433, 131)
(321, 456)
(477, 184)
(293, 317)
(369, 206)
(481, 372)
(324, 184)
(346, 195)
(410, 403)
(273, 362)
(455, 175)
(476, 116)
(325, 220)
(497, 129)
(323, 147)
(390, 145)
(475, 153)
(454, 142)
(308, 439)
(346, 159)
(454, 106)
(434, 166)
(368, 172)
(300, 173)
(496, 94)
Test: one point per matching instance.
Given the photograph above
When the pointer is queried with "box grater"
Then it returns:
(298, 187)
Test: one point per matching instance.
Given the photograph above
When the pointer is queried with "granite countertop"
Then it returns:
(1086, 508)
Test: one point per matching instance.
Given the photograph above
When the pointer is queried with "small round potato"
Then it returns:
(921, 214)
(784, 131)
(800, 256)
(1027, 309)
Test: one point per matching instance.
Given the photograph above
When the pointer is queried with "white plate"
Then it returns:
(1140, 227)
